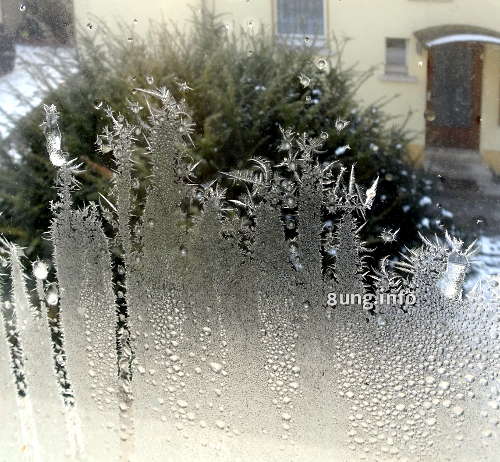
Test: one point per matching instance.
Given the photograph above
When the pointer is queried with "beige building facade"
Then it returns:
(442, 57)
(9, 15)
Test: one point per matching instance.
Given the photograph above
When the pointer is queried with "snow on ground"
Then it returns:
(20, 80)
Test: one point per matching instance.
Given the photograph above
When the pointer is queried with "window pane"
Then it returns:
(395, 56)
(396, 52)
(300, 17)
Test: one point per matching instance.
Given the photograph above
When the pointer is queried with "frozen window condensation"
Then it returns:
(119, 140)
(39, 372)
(87, 307)
(233, 352)
(11, 437)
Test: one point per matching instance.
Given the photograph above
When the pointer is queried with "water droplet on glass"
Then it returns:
(307, 41)
(40, 270)
(150, 79)
(322, 64)
(430, 115)
(216, 367)
(52, 295)
(57, 158)
(431, 421)
(290, 202)
(444, 385)
(341, 124)
(220, 424)
(22, 7)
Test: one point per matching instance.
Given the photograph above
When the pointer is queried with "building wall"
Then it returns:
(401, 19)
(134, 13)
(368, 23)
(9, 15)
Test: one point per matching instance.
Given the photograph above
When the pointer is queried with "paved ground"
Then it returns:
(471, 192)
(467, 188)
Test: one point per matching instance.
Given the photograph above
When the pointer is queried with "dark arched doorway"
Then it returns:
(454, 84)
(454, 81)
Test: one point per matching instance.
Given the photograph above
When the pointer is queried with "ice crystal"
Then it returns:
(388, 236)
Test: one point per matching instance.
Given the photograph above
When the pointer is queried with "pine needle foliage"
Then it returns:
(241, 89)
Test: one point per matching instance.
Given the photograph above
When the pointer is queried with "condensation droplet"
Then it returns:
(430, 115)
(220, 424)
(52, 296)
(216, 367)
(322, 64)
(40, 270)
(57, 158)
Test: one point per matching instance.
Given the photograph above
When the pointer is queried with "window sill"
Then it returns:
(398, 78)
(319, 43)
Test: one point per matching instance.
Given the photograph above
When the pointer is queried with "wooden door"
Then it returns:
(454, 81)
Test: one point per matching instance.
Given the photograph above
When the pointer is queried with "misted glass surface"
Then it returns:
(249, 230)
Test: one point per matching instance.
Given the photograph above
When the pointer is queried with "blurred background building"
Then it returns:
(442, 57)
